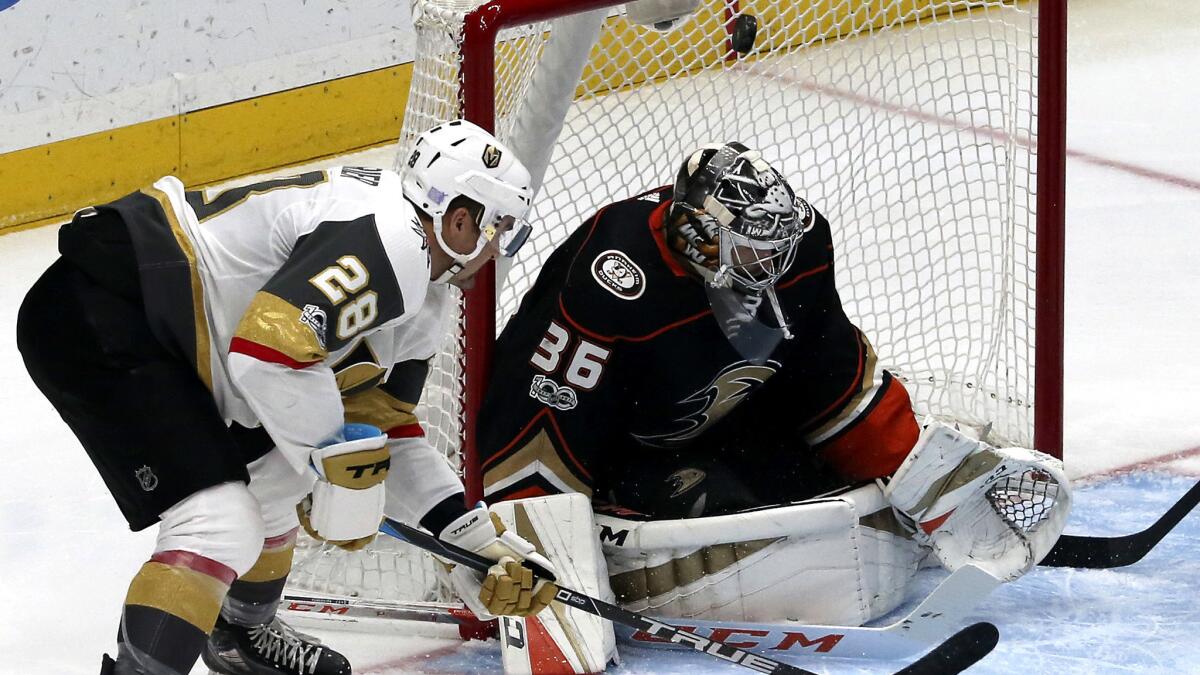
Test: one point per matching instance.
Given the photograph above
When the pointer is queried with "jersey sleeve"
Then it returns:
(338, 281)
(856, 416)
(420, 477)
(551, 413)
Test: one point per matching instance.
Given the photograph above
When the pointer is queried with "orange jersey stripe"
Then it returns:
(875, 444)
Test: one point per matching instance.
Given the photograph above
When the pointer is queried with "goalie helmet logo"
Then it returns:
(491, 156)
(146, 478)
(619, 275)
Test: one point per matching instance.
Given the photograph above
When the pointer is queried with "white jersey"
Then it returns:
(267, 288)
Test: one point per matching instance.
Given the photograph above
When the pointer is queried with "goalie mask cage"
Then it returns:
(929, 132)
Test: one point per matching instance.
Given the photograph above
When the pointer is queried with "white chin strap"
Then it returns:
(448, 274)
(775, 307)
(459, 260)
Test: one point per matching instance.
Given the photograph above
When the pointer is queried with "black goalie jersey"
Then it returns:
(615, 357)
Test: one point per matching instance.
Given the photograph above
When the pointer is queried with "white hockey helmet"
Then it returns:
(460, 159)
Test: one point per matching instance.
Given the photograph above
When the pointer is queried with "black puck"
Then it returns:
(745, 29)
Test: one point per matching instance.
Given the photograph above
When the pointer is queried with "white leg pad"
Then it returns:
(839, 560)
(562, 529)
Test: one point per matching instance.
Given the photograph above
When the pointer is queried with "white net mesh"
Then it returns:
(908, 123)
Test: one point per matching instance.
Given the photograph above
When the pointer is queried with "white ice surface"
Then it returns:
(1133, 288)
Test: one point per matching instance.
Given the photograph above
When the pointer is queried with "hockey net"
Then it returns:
(913, 125)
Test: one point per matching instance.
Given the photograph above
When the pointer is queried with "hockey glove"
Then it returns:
(508, 588)
(346, 504)
(1000, 509)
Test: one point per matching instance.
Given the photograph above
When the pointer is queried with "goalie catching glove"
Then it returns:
(508, 588)
(1001, 509)
(346, 504)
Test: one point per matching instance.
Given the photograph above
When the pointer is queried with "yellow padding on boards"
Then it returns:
(192, 596)
(47, 182)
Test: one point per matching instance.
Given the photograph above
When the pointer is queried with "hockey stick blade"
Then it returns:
(959, 652)
(926, 625)
(1108, 552)
(953, 650)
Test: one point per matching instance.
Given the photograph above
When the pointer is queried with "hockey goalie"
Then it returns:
(683, 419)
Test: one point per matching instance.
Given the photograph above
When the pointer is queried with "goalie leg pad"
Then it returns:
(841, 560)
(559, 639)
(999, 508)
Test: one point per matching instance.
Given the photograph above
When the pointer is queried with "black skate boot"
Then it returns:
(273, 648)
(109, 666)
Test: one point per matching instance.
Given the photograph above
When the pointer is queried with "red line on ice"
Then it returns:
(998, 134)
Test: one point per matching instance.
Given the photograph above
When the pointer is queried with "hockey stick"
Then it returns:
(1107, 552)
(926, 625)
(961, 650)
(923, 627)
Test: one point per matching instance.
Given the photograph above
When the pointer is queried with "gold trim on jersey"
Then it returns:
(868, 387)
(539, 449)
(199, 316)
(192, 596)
(285, 183)
(358, 378)
(378, 408)
(273, 322)
(653, 582)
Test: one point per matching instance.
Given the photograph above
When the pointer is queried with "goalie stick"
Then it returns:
(953, 655)
(1108, 552)
(935, 617)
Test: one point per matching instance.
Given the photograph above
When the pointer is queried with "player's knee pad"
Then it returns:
(221, 523)
(278, 488)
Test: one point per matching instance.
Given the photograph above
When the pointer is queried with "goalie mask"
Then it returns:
(742, 221)
(739, 223)
(460, 159)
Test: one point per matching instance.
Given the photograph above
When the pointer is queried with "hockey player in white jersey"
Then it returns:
(220, 356)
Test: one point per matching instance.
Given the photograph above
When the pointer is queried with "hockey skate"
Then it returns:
(273, 648)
